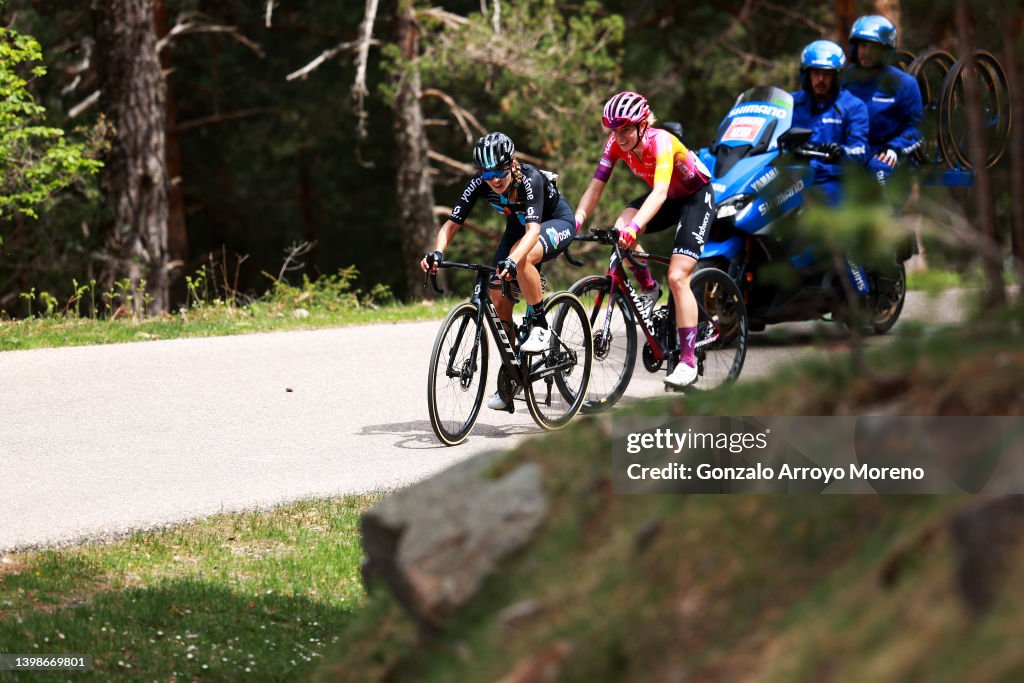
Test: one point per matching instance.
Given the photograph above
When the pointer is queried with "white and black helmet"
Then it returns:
(492, 151)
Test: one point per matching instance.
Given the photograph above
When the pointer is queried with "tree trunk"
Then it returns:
(177, 233)
(134, 177)
(846, 14)
(984, 218)
(890, 9)
(1010, 23)
(417, 225)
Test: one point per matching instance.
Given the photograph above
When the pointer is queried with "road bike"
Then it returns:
(553, 383)
(615, 313)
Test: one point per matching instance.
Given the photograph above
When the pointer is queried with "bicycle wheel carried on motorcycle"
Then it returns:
(890, 294)
(556, 384)
(721, 329)
(458, 375)
(614, 341)
(994, 98)
(930, 71)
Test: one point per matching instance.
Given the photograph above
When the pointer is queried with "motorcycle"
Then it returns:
(760, 177)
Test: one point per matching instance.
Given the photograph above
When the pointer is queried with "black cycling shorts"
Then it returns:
(556, 234)
(691, 216)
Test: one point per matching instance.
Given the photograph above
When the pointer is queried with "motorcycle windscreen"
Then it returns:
(752, 126)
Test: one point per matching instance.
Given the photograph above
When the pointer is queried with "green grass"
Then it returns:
(255, 596)
(209, 321)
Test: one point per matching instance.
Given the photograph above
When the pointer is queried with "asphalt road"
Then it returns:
(97, 441)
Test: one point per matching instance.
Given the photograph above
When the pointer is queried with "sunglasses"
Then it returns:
(615, 123)
(497, 174)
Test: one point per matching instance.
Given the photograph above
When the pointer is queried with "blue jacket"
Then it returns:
(894, 107)
(844, 120)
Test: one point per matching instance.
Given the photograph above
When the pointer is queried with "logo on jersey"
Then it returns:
(554, 236)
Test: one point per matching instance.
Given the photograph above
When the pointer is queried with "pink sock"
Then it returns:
(687, 340)
(643, 276)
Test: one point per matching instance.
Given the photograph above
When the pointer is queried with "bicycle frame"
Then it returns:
(486, 312)
(621, 286)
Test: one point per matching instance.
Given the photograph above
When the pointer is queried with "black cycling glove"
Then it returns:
(834, 151)
(433, 257)
(508, 266)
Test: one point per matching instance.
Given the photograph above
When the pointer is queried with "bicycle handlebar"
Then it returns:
(610, 237)
(506, 285)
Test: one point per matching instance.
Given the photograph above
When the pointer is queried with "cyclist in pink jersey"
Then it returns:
(681, 197)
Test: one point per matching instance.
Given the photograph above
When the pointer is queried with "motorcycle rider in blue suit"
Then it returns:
(838, 120)
(892, 97)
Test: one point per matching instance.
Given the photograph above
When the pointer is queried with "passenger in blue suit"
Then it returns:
(892, 97)
(838, 120)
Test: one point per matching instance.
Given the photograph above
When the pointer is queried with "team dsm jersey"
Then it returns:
(662, 158)
(533, 200)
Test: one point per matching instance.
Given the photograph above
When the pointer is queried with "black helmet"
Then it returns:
(492, 151)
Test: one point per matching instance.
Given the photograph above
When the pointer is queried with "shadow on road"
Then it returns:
(419, 434)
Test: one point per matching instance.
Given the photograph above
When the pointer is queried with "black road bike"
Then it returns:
(554, 382)
(615, 314)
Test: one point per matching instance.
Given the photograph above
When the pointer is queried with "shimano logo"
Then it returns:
(766, 109)
(858, 276)
(780, 199)
(771, 175)
(837, 122)
(887, 100)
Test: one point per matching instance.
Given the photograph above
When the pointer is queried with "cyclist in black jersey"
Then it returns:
(539, 226)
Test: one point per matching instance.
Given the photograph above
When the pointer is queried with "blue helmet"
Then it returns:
(874, 28)
(821, 54)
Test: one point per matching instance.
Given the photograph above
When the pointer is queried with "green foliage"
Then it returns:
(36, 160)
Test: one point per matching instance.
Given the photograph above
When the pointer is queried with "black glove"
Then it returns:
(508, 266)
(834, 151)
(433, 257)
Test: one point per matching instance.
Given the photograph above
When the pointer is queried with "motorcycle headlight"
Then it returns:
(734, 205)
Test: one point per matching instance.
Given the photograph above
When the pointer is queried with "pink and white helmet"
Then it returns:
(625, 108)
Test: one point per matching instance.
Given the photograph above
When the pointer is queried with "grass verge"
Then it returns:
(256, 595)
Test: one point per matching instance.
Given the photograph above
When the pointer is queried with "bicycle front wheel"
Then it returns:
(557, 379)
(614, 341)
(721, 344)
(458, 374)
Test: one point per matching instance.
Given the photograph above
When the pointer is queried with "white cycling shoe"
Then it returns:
(498, 403)
(683, 375)
(537, 342)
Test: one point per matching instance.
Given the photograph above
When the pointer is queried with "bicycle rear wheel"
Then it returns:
(721, 329)
(458, 375)
(557, 382)
(930, 70)
(993, 97)
(614, 341)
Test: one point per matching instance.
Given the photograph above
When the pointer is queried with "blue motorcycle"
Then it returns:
(760, 176)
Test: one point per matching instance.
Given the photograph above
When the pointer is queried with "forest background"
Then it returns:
(247, 137)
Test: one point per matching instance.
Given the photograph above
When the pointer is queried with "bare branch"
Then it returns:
(359, 90)
(461, 115)
(84, 104)
(447, 18)
(270, 11)
(496, 17)
(291, 261)
(445, 211)
(464, 168)
(195, 23)
(799, 16)
(315, 64)
(220, 118)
